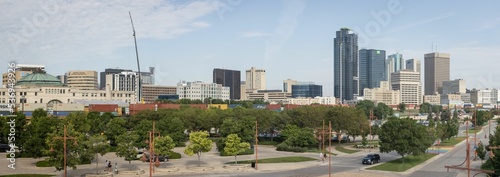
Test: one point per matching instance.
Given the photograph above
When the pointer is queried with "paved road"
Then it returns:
(454, 157)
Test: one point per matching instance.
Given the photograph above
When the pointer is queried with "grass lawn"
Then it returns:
(344, 150)
(398, 165)
(452, 142)
(278, 160)
(27, 175)
(471, 131)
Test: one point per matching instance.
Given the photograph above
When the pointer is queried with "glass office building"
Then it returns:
(306, 90)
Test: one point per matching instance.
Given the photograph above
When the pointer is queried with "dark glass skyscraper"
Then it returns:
(371, 68)
(345, 65)
(231, 79)
(307, 90)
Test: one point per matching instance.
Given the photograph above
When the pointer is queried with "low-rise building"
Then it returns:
(269, 95)
(150, 93)
(433, 99)
(200, 91)
(383, 94)
(309, 101)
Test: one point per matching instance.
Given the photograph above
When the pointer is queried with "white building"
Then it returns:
(124, 81)
(269, 95)
(200, 91)
(309, 101)
(408, 83)
(40, 87)
(383, 94)
(255, 79)
(454, 86)
(485, 97)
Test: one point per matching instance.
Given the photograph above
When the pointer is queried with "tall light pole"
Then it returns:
(256, 143)
(137, 56)
(64, 138)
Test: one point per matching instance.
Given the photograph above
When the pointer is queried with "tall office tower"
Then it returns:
(345, 65)
(437, 70)
(409, 85)
(124, 81)
(82, 79)
(413, 64)
(231, 79)
(287, 85)
(371, 68)
(255, 79)
(102, 75)
(394, 63)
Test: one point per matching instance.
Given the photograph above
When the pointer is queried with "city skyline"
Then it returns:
(289, 39)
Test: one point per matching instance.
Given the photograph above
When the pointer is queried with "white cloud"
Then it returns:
(254, 34)
(57, 31)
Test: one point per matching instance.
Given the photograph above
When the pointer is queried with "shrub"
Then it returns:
(220, 143)
(112, 149)
(285, 147)
(174, 155)
(43, 163)
(273, 143)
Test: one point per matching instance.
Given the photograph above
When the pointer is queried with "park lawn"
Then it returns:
(477, 129)
(398, 165)
(344, 150)
(27, 175)
(452, 141)
(278, 160)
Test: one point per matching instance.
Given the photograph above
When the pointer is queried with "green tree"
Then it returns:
(114, 128)
(298, 137)
(481, 152)
(198, 143)
(39, 112)
(425, 108)
(77, 150)
(36, 134)
(404, 136)
(99, 146)
(234, 146)
(126, 146)
(402, 107)
(366, 106)
(164, 145)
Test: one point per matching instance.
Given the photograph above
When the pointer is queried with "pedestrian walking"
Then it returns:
(321, 158)
(109, 166)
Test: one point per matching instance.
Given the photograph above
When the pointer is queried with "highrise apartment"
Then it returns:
(371, 68)
(345, 65)
(408, 83)
(255, 79)
(437, 70)
(229, 78)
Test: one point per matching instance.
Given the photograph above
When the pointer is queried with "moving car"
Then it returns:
(371, 159)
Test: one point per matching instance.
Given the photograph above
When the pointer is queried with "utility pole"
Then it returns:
(64, 138)
(256, 143)
(330, 149)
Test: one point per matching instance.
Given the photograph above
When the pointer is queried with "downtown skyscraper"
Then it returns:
(371, 68)
(231, 79)
(437, 70)
(345, 65)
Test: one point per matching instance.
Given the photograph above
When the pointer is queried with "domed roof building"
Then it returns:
(39, 79)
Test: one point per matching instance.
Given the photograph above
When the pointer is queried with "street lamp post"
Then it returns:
(151, 151)
(64, 138)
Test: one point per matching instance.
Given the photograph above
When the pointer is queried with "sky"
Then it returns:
(290, 39)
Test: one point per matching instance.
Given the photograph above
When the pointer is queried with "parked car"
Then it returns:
(160, 158)
(344, 139)
(371, 159)
(4, 147)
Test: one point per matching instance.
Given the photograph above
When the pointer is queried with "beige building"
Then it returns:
(45, 88)
(21, 70)
(408, 83)
(255, 79)
(413, 64)
(433, 99)
(150, 92)
(437, 70)
(287, 85)
(82, 79)
(383, 94)
(269, 95)
(452, 99)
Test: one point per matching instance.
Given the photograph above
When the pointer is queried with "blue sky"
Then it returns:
(293, 39)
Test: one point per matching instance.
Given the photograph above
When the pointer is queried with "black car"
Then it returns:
(4, 147)
(371, 159)
(160, 158)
